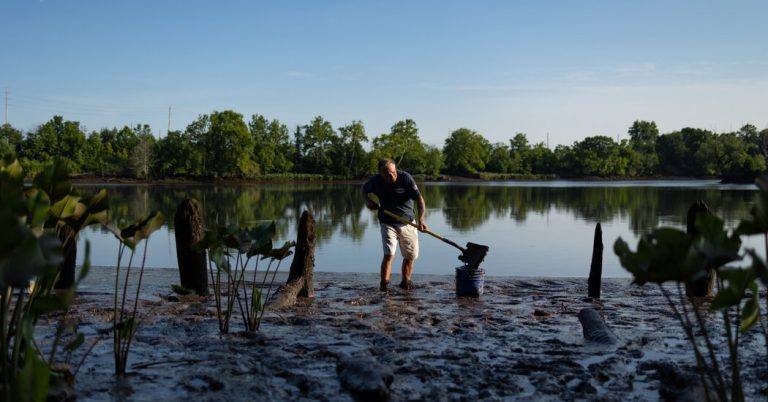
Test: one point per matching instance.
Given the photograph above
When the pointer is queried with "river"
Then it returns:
(540, 229)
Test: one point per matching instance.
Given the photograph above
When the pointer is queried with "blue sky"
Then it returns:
(568, 68)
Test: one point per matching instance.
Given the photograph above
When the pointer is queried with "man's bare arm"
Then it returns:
(422, 210)
(368, 201)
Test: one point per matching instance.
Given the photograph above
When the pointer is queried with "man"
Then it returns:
(396, 190)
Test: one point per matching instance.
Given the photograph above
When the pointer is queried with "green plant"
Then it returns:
(181, 290)
(124, 320)
(30, 256)
(671, 255)
(225, 244)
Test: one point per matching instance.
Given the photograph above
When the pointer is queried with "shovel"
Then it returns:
(472, 255)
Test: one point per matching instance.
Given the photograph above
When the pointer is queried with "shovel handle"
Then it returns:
(403, 220)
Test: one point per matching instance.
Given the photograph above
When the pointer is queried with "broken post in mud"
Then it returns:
(594, 328)
(702, 287)
(300, 283)
(596, 268)
(189, 229)
(68, 239)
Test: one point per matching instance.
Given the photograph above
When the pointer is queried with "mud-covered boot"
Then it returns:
(384, 286)
(406, 285)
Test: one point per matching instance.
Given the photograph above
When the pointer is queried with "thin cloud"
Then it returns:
(644, 68)
(495, 88)
(299, 74)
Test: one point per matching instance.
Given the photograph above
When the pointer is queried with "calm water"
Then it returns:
(533, 229)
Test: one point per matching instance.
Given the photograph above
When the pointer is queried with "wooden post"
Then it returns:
(594, 327)
(300, 278)
(704, 286)
(188, 223)
(596, 269)
(68, 239)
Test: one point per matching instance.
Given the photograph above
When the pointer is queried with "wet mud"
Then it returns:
(521, 340)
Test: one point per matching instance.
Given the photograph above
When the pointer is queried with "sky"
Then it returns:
(557, 71)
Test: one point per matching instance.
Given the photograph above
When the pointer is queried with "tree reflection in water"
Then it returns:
(463, 210)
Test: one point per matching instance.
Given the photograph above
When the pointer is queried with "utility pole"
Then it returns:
(547, 139)
(169, 121)
(5, 109)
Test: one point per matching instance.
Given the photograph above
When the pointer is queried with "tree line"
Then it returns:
(223, 145)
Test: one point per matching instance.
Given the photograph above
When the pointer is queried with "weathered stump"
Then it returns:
(701, 287)
(594, 327)
(365, 378)
(188, 223)
(68, 239)
(596, 268)
(300, 278)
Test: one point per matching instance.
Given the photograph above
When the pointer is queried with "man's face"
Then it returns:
(389, 173)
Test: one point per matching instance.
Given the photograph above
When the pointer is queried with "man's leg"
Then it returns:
(407, 269)
(409, 247)
(386, 267)
(389, 244)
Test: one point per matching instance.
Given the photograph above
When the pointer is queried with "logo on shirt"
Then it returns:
(400, 190)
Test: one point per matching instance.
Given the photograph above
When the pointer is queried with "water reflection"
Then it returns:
(492, 211)
(469, 207)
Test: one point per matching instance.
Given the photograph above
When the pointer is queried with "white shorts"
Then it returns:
(407, 236)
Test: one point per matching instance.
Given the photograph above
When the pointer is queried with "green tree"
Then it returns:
(642, 139)
(298, 155)
(228, 146)
(403, 145)
(751, 138)
(763, 134)
(634, 160)
(224, 144)
(599, 156)
(672, 153)
(317, 143)
(6, 148)
(175, 156)
(466, 152)
(263, 152)
(694, 138)
(541, 159)
(352, 156)
(108, 138)
(519, 149)
(756, 142)
(727, 156)
(10, 139)
(432, 161)
(126, 140)
(197, 135)
(93, 155)
(565, 161)
(56, 138)
(272, 147)
(500, 160)
(279, 137)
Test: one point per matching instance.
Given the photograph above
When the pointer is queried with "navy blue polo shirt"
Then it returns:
(395, 197)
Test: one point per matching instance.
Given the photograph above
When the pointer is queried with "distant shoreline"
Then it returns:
(93, 180)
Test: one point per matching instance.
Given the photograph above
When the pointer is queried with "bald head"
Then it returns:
(388, 170)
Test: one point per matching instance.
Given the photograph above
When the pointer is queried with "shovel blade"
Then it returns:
(474, 254)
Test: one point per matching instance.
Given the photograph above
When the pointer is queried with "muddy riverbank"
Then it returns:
(521, 340)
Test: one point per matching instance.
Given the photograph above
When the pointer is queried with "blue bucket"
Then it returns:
(469, 282)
